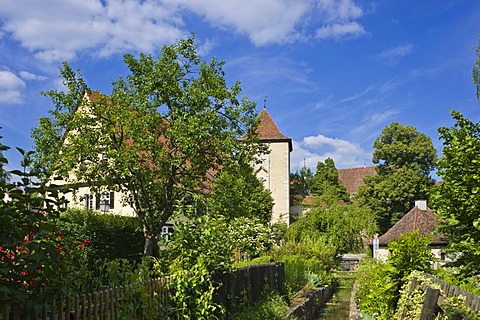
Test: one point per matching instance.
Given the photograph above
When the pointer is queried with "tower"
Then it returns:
(274, 169)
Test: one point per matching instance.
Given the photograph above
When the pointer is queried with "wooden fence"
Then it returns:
(142, 300)
(435, 300)
(107, 304)
(245, 285)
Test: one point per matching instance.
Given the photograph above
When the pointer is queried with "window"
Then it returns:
(105, 201)
(88, 201)
(167, 232)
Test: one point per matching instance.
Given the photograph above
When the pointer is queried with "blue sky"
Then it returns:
(334, 72)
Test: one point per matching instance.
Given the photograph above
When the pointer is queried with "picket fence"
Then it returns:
(142, 300)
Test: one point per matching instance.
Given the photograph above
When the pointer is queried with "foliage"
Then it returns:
(343, 226)
(191, 294)
(410, 252)
(392, 195)
(111, 236)
(272, 306)
(457, 198)
(380, 282)
(154, 138)
(325, 182)
(304, 258)
(251, 236)
(205, 239)
(411, 301)
(403, 146)
(301, 183)
(4, 176)
(476, 72)
(376, 293)
(35, 254)
(405, 157)
(237, 192)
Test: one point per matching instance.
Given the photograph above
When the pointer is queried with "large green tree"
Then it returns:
(405, 158)
(457, 197)
(165, 125)
(401, 146)
(300, 183)
(237, 192)
(476, 72)
(343, 226)
(325, 182)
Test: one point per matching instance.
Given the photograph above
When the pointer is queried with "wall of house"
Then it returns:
(77, 200)
(274, 171)
(441, 258)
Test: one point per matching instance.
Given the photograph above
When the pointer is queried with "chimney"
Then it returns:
(421, 204)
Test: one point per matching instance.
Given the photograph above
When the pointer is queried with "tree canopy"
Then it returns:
(343, 226)
(406, 158)
(404, 146)
(237, 192)
(457, 197)
(476, 72)
(325, 182)
(300, 183)
(165, 125)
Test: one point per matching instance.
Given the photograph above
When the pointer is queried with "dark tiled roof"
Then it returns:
(425, 221)
(352, 178)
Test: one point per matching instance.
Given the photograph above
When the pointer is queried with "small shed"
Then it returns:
(420, 219)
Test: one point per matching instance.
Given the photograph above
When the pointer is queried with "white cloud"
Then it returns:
(30, 76)
(55, 30)
(313, 149)
(264, 22)
(391, 56)
(340, 10)
(11, 87)
(340, 30)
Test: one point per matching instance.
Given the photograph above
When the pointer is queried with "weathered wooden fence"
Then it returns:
(141, 300)
(107, 304)
(435, 299)
(245, 285)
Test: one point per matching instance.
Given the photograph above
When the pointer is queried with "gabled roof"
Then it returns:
(268, 131)
(425, 221)
(352, 178)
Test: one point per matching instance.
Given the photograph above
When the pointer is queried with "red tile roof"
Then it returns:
(352, 178)
(425, 221)
(268, 131)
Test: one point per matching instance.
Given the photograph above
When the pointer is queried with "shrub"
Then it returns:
(35, 254)
(376, 290)
(111, 236)
(273, 306)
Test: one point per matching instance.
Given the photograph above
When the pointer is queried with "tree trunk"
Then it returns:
(151, 245)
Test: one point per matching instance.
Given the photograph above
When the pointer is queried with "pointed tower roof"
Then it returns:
(268, 131)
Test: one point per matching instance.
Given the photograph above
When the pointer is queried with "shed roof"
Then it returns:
(425, 221)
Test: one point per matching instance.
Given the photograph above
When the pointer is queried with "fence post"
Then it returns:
(411, 288)
(430, 304)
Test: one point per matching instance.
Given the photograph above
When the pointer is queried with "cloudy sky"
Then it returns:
(335, 72)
